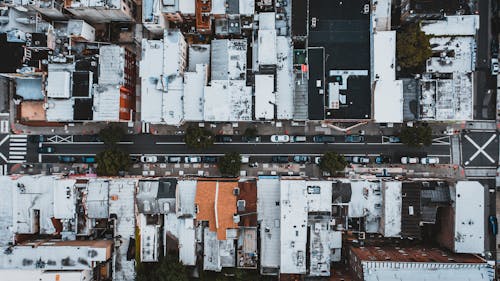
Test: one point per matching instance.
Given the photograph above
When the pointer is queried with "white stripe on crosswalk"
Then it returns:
(17, 152)
(19, 136)
(23, 148)
(16, 161)
(16, 157)
(18, 140)
(17, 144)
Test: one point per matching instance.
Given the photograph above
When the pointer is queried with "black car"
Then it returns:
(280, 159)
(209, 159)
(222, 138)
(324, 139)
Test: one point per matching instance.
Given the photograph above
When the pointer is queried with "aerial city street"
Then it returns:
(339, 140)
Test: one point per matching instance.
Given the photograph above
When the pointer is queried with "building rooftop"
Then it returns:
(186, 192)
(388, 92)
(268, 214)
(111, 65)
(390, 223)
(107, 102)
(216, 204)
(265, 97)
(293, 226)
(463, 25)
(194, 85)
(198, 54)
(228, 101)
(228, 60)
(97, 200)
(29, 88)
(267, 47)
(284, 78)
(469, 217)
(152, 95)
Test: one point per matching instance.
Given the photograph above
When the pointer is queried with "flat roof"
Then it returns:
(381, 15)
(111, 65)
(29, 88)
(186, 192)
(319, 195)
(229, 59)
(106, 102)
(265, 97)
(470, 217)
(319, 253)
(366, 205)
(64, 199)
(59, 110)
(7, 212)
(299, 17)
(97, 201)
(390, 223)
(267, 21)
(151, 71)
(198, 54)
(172, 101)
(175, 45)
(59, 84)
(228, 101)
(194, 85)
(267, 47)
(453, 54)
(284, 78)
(388, 92)
(247, 7)
(462, 25)
(268, 214)
(293, 227)
(316, 96)
(187, 6)
(187, 241)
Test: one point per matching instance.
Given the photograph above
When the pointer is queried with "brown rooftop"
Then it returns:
(412, 254)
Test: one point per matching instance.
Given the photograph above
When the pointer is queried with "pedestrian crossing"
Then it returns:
(4, 170)
(18, 148)
(4, 126)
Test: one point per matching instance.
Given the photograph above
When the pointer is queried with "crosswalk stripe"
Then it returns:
(18, 140)
(19, 136)
(16, 161)
(23, 148)
(17, 152)
(16, 157)
(17, 144)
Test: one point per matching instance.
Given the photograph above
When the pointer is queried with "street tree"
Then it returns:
(167, 269)
(332, 162)
(111, 134)
(197, 137)
(412, 47)
(111, 161)
(416, 136)
(251, 132)
(230, 164)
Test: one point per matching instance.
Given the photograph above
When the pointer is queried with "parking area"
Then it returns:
(342, 28)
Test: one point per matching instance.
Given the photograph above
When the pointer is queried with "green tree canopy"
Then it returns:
(251, 132)
(230, 164)
(111, 161)
(167, 269)
(332, 162)
(112, 134)
(416, 136)
(412, 46)
(197, 137)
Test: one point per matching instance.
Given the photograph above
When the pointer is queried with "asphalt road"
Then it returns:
(173, 145)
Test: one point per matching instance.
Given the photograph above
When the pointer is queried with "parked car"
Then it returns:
(88, 159)
(360, 160)
(393, 139)
(174, 159)
(209, 159)
(192, 159)
(409, 160)
(301, 159)
(250, 139)
(222, 138)
(298, 139)
(280, 138)
(317, 160)
(494, 66)
(280, 159)
(149, 159)
(245, 159)
(314, 21)
(354, 138)
(46, 149)
(493, 225)
(324, 139)
(429, 160)
(67, 159)
(348, 159)
(382, 159)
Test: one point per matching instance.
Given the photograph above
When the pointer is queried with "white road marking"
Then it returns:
(480, 149)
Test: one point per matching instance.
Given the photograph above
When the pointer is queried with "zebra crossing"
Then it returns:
(18, 146)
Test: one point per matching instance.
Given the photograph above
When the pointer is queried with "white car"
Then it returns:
(280, 138)
(317, 160)
(192, 159)
(494, 66)
(149, 159)
(245, 159)
(313, 22)
(429, 160)
(409, 160)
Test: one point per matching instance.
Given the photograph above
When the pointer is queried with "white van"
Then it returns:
(298, 139)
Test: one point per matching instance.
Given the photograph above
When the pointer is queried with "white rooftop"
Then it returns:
(470, 217)
(175, 46)
(390, 223)
(42, 275)
(381, 15)
(463, 25)
(6, 212)
(187, 241)
(59, 84)
(267, 47)
(267, 21)
(365, 198)
(59, 110)
(186, 192)
(319, 196)
(198, 54)
(319, 252)
(388, 92)
(462, 58)
(229, 57)
(228, 101)
(97, 201)
(293, 226)
(172, 103)
(106, 102)
(284, 78)
(187, 7)
(268, 214)
(111, 65)
(150, 71)
(64, 199)
(265, 98)
(194, 84)
(211, 256)
(247, 7)
(218, 7)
